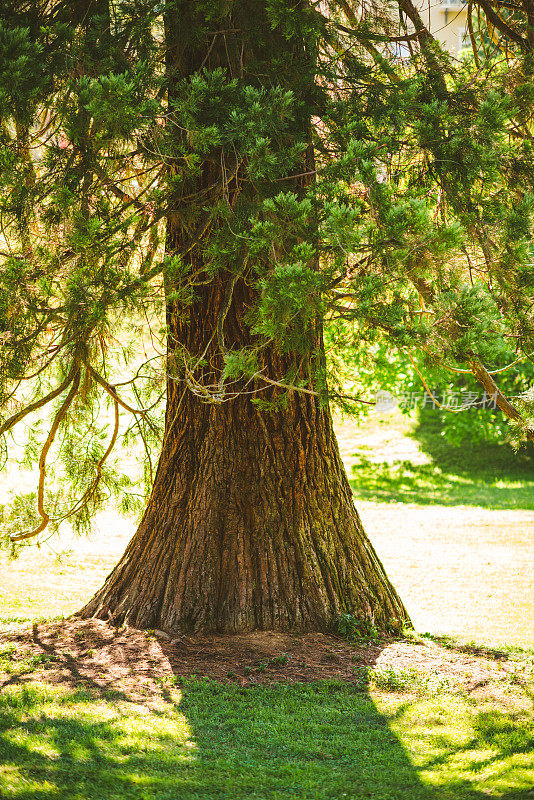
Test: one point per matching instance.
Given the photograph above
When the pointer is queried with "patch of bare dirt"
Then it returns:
(136, 664)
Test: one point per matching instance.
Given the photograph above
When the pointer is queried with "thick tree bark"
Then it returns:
(251, 523)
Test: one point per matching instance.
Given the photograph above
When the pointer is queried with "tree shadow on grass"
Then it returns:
(488, 460)
(487, 475)
(330, 741)
(318, 741)
(426, 484)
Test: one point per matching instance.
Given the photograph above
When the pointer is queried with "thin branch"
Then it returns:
(45, 518)
(223, 312)
(497, 21)
(111, 391)
(285, 386)
(428, 390)
(377, 37)
(9, 423)
(483, 377)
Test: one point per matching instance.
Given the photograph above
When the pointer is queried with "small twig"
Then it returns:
(286, 386)
(434, 399)
(111, 391)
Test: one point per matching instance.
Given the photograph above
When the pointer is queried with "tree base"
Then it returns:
(250, 526)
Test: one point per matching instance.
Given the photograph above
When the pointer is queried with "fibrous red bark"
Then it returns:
(251, 522)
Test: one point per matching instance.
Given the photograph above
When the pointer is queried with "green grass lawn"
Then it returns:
(285, 741)
(490, 476)
(428, 484)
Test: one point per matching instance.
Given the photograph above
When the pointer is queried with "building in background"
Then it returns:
(447, 21)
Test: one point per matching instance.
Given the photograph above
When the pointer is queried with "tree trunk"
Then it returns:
(251, 523)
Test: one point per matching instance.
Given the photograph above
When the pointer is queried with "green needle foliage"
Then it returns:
(400, 220)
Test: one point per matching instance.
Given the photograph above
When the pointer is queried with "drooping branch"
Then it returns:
(45, 518)
(497, 21)
(111, 391)
(91, 489)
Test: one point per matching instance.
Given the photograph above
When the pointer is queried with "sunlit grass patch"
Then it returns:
(461, 746)
(15, 662)
(432, 470)
(388, 679)
(38, 586)
(76, 745)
